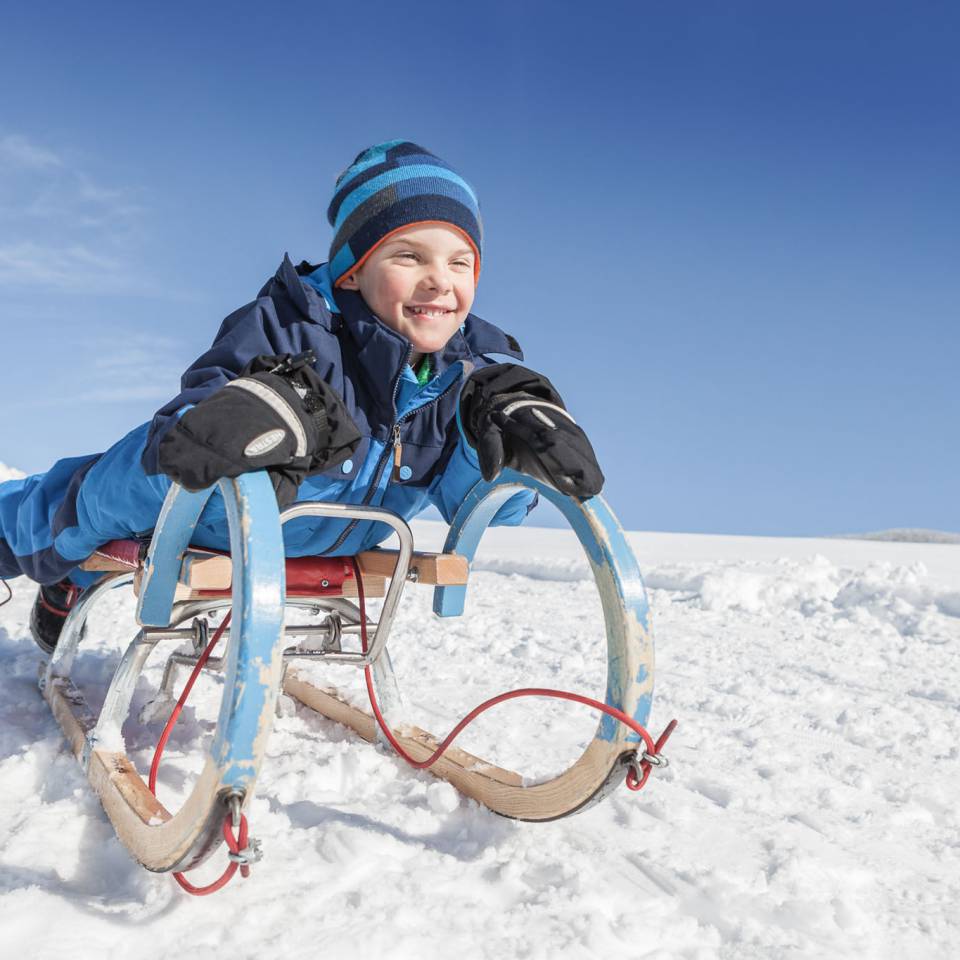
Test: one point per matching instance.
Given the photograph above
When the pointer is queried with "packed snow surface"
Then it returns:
(810, 809)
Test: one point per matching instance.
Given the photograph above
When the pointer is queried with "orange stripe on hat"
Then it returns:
(410, 226)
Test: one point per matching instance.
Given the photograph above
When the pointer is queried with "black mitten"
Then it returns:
(514, 417)
(278, 415)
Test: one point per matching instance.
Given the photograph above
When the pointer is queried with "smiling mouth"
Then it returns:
(431, 313)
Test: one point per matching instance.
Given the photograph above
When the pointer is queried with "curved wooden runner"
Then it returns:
(629, 664)
(156, 838)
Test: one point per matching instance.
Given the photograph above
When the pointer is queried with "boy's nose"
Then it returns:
(438, 278)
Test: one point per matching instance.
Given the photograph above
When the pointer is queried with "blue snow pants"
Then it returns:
(52, 521)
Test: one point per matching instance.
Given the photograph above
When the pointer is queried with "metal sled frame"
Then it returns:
(256, 665)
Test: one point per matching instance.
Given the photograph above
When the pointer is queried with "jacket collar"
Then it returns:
(309, 299)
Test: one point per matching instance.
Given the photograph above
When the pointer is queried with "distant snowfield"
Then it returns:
(810, 809)
(912, 535)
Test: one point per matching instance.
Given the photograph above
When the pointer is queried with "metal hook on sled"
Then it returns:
(252, 852)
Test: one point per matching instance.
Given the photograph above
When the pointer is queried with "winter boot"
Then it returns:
(50, 611)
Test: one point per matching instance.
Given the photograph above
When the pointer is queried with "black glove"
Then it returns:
(277, 415)
(515, 418)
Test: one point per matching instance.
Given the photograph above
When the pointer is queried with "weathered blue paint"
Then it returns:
(256, 638)
(467, 527)
(641, 713)
(171, 537)
(624, 598)
(256, 629)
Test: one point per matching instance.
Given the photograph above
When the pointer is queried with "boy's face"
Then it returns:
(419, 282)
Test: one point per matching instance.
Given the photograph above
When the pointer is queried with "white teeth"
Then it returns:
(429, 313)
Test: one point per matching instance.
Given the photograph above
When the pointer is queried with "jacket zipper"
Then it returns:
(395, 447)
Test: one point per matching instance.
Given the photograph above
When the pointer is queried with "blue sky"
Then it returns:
(728, 232)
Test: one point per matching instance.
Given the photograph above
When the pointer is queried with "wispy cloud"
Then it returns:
(18, 151)
(137, 366)
(140, 369)
(73, 267)
(62, 227)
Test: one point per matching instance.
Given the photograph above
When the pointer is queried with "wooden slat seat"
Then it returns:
(208, 573)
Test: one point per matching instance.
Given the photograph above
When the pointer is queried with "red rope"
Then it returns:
(175, 715)
(235, 844)
(633, 782)
(638, 783)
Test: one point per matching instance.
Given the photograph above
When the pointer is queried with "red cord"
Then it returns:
(638, 783)
(174, 716)
(235, 844)
(633, 782)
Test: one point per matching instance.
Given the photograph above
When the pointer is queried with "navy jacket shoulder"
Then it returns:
(357, 354)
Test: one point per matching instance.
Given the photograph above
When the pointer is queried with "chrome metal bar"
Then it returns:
(184, 609)
(184, 660)
(116, 704)
(61, 662)
(215, 664)
(346, 511)
(319, 629)
(156, 634)
(326, 632)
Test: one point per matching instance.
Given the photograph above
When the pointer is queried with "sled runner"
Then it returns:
(179, 587)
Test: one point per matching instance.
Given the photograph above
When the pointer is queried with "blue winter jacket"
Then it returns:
(50, 522)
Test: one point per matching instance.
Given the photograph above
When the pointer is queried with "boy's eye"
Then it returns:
(406, 253)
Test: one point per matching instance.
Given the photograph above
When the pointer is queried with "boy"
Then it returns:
(361, 380)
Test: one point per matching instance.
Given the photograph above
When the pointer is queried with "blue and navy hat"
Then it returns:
(391, 186)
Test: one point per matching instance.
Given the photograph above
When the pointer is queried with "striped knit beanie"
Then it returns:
(391, 186)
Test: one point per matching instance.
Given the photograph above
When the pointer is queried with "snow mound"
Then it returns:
(899, 596)
(10, 473)
(879, 593)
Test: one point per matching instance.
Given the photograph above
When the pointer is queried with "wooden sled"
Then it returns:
(177, 583)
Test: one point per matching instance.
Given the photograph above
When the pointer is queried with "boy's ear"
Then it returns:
(349, 282)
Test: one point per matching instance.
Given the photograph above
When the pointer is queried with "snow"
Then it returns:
(10, 473)
(809, 809)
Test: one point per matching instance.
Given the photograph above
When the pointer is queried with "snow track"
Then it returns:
(810, 809)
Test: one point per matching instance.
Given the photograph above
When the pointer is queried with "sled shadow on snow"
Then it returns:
(105, 882)
(464, 835)
(98, 876)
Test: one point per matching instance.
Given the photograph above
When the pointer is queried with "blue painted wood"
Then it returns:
(467, 527)
(255, 653)
(171, 536)
(255, 650)
(622, 593)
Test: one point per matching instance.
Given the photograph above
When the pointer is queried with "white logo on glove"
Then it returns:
(264, 443)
